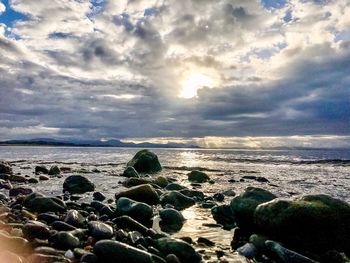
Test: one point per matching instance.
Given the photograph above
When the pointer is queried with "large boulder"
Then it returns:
(145, 162)
(243, 206)
(5, 168)
(198, 177)
(314, 222)
(77, 184)
(141, 193)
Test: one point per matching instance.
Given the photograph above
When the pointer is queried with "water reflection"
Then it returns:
(189, 159)
(195, 218)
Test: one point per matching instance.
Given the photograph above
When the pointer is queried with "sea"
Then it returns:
(288, 173)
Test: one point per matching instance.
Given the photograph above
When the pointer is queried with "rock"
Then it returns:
(35, 229)
(33, 180)
(5, 185)
(171, 258)
(54, 170)
(205, 241)
(137, 210)
(243, 206)
(219, 197)
(145, 162)
(126, 222)
(184, 251)
(4, 176)
(49, 218)
(62, 226)
(100, 230)
(3, 197)
(136, 181)
(248, 250)
(20, 191)
(161, 181)
(229, 192)
(197, 195)
(108, 251)
(284, 255)
(43, 177)
(64, 240)
(17, 178)
(208, 204)
(262, 179)
(38, 203)
(240, 238)
(77, 184)
(171, 220)
(141, 193)
(99, 196)
(89, 258)
(198, 177)
(74, 218)
(259, 242)
(174, 187)
(130, 172)
(41, 169)
(177, 199)
(5, 168)
(314, 222)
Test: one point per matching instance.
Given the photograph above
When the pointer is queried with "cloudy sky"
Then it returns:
(216, 72)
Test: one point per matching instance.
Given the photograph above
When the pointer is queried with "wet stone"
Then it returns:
(100, 230)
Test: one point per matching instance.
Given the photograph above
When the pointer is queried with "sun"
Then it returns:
(194, 82)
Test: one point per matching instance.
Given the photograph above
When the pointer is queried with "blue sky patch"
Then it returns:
(269, 4)
(10, 16)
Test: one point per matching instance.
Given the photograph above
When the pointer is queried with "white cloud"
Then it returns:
(2, 8)
(117, 65)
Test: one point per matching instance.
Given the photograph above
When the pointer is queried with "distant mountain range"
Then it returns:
(95, 143)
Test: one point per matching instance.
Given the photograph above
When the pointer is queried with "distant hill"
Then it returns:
(94, 143)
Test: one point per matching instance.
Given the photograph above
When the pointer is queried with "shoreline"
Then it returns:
(198, 206)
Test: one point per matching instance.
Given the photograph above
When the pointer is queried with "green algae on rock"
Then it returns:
(313, 222)
(145, 161)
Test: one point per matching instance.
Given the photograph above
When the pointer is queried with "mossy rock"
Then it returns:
(198, 177)
(145, 162)
(316, 223)
(243, 206)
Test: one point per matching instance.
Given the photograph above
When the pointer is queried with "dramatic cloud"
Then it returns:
(184, 70)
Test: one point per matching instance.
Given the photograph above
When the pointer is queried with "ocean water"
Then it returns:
(289, 173)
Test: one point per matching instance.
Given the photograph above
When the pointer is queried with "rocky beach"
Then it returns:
(141, 210)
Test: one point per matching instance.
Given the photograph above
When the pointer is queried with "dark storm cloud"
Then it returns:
(119, 73)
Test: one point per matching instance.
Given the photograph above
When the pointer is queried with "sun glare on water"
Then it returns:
(194, 82)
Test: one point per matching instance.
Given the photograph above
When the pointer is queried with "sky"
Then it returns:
(220, 73)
